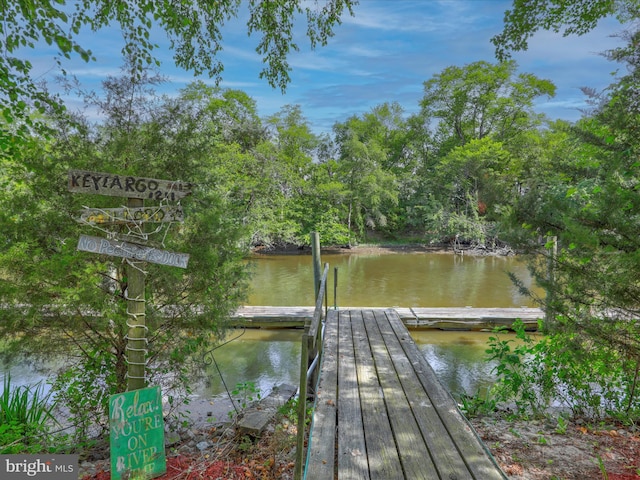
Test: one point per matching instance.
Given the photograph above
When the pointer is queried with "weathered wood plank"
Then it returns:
(477, 457)
(352, 450)
(384, 462)
(154, 214)
(463, 313)
(322, 435)
(394, 418)
(255, 419)
(442, 449)
(111, 184)
(414, 318)
(117, 248)
(414, 455)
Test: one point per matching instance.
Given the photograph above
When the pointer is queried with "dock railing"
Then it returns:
(310, 357)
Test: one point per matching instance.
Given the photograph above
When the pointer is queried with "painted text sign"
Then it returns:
(117, 248)
(81, 181)
(137, 434)
(130, 215)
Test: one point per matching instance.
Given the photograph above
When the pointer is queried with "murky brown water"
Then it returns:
(269, 357)
(386, 280)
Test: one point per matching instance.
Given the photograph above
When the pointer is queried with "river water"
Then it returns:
(375, 280)
(386, 280)
(265, 358)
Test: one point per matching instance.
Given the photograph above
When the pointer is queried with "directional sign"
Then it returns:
(117, 248)
(130, 215)
(81, 181)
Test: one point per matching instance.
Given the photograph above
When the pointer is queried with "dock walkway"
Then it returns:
(445, 318)
(380, 411)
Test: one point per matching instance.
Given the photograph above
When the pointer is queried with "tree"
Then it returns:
(591, 206)
(195, 31)
(482, 113)
(480, 100)
(370, 189)
(56, 299)
(574, 18)
(294, 146)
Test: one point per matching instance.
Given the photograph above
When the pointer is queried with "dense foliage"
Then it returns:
(476, 166)
(59, 301)
(195, 30)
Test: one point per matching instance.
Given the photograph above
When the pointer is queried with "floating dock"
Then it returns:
(445, 318)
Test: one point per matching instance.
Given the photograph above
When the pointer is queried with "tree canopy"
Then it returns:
(195, 31)
(576, 17)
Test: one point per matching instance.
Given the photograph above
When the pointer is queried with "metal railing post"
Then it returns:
(335, 288)
(315, 251)
(310, 355)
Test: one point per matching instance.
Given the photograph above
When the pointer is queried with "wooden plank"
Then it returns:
(154, 214)
(384, 462)
(477, 457)
(322, 435)
(116, 248)
(352, 451)
(271, 317)
(82, 181)
(442, 449)
(463, 313)
(468, 325)
(414, 455)
(428, 318)
(266, 312)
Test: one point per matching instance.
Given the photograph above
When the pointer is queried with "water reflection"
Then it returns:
(263, 358)
(266, 358)
(459, 358)
(385, 280)
(269, 357)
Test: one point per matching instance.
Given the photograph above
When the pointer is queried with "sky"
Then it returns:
(384, 53)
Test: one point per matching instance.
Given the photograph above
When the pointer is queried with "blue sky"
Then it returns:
(382, 54)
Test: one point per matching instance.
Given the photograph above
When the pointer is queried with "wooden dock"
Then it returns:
(380, 411)
(463, 318)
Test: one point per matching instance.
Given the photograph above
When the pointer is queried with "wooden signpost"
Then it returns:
(137, 432)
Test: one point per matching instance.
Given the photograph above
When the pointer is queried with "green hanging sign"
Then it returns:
(137, 434)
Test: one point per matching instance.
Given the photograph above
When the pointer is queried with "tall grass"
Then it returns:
(25, 413)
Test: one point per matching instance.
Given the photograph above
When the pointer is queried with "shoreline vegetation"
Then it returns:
(386, 247)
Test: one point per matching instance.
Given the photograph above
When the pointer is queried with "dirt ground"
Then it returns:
(360, 249)
(524, 450)
(544, 449)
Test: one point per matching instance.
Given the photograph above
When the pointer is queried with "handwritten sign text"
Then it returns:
(117, 248)
(81, 181)
(137, 434)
